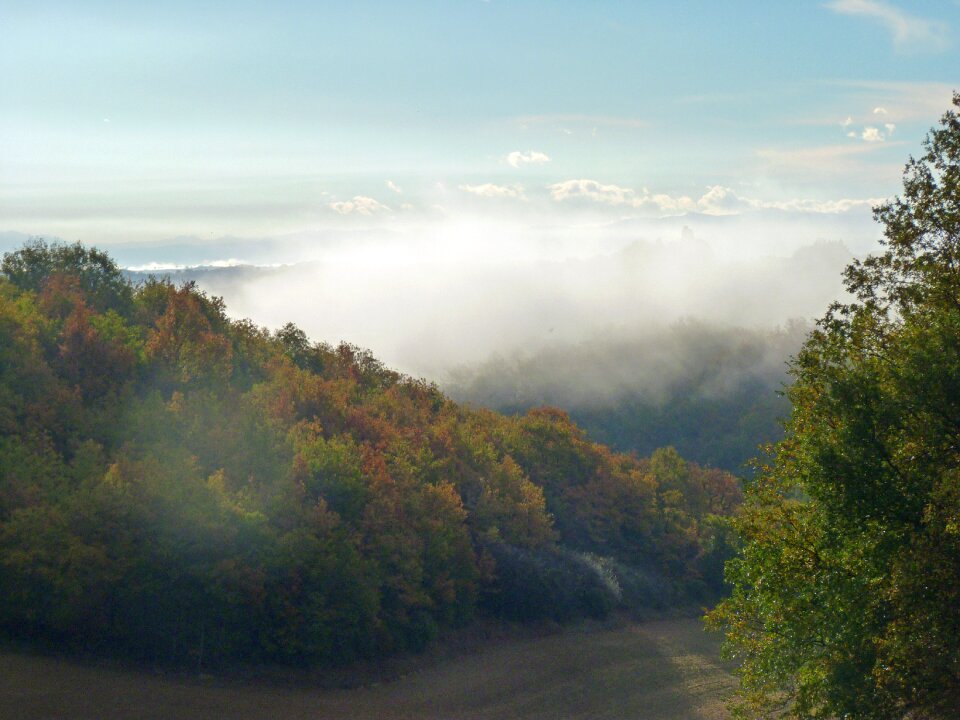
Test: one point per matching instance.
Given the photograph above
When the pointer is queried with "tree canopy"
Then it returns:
(846, 599)
(185, 488)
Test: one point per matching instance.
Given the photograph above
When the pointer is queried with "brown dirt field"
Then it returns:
(663, 669)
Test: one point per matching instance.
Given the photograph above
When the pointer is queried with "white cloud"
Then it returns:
(814, 164)
(531, 157)
(591, 190)
(489, 190)
(391, 185)
(360, 205)
(717, 200)
(666, 204)
(909, 32)
(870, 133)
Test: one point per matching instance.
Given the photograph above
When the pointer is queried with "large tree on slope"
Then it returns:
(846, 599)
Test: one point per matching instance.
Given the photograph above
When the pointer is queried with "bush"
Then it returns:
(553, 583)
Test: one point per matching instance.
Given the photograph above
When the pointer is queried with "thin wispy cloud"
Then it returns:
(909, 33)
(904, 101)
(813, 164)
(567, 120)
(820, 207)
(392, 186)
(531, 157)
(872, 102)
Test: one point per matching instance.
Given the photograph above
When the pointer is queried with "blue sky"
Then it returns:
(135, 122)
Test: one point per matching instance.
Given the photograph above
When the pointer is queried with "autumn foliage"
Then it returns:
(181, 487)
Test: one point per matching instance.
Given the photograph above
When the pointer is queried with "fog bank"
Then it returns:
(425, 308)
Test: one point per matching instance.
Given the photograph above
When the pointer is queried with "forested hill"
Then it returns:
(711, 391)
(180, 487)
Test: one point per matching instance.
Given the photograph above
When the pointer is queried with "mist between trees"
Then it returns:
(711, 391)
(426, 313)
(648, 345)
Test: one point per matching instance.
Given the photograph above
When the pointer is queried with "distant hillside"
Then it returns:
(711, 391)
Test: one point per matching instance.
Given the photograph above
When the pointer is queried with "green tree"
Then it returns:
(846, 599)
(38, 261)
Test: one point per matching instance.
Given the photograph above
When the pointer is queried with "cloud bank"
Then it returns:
(426, 304)
(717, 200)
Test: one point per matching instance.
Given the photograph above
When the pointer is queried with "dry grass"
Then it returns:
(653, 670)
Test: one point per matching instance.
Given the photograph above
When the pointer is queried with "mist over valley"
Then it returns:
(427, 316)
(650, 344)
(479, 360)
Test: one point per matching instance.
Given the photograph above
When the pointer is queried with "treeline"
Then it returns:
(179, 487)
(712, 391)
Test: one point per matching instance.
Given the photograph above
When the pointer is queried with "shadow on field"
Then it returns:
(654, 670)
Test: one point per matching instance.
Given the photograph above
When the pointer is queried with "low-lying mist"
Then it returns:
(678, 341)
(712, 391)
(428, 313)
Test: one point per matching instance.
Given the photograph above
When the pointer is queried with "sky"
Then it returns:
(463, 131)
(127, 122)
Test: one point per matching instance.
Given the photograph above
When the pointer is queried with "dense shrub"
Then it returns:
(549, 583)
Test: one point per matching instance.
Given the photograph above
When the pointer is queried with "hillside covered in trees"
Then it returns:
(712, 391)
(176, 486)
